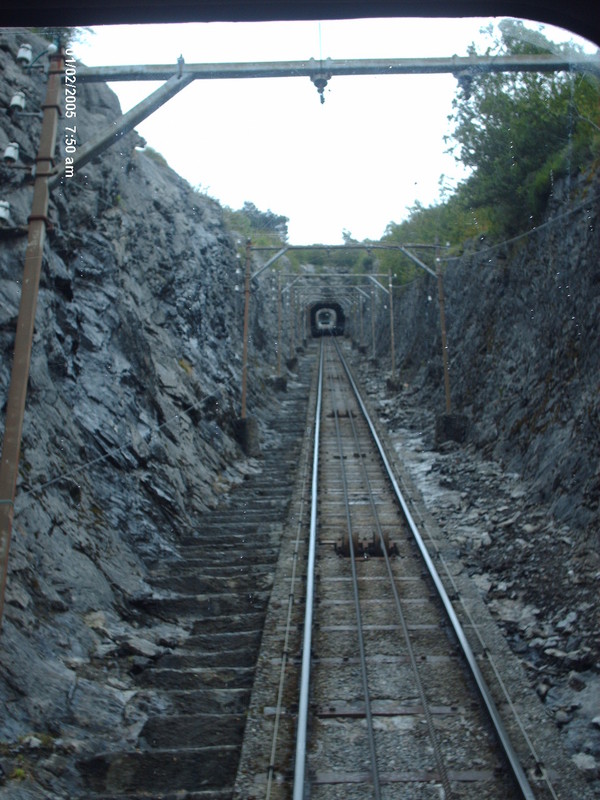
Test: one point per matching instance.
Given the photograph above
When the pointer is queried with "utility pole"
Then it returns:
(360, 312)
(292, 324)
(391, 298)
(17, 392)
(278, 324)
(246, 317)
(443, 328)
(373, 320)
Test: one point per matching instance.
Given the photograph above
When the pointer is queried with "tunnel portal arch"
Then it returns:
(327, 318)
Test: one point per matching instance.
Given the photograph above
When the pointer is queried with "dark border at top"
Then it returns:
(578, 16)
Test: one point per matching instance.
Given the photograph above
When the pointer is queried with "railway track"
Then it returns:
(334, 597)
(215, 585)
(392, 703)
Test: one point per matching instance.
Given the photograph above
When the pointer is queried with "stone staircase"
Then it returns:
(219, 586)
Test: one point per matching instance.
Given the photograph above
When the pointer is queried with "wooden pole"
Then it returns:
(443, 329)
(373, 318)
(278, 324)
(246, 317)
(17, 392)
(392, 350)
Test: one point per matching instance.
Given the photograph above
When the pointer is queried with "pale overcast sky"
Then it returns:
(356, 162)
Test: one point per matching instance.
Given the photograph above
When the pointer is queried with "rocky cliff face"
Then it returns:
(129, 429)
(522, 322)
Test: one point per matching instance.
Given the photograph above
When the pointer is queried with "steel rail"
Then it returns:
(539, 765)
(288, 623)
(301, 727)
(443, 772)
(502, 734)
(359, 624)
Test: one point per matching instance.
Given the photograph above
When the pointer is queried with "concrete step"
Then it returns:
(202, 677)
(157, 773)
(205, 606)
(237, 566)
(193, 582)
(194, 659)
(224, 793)
(218, 586)
(224, 640)
(221, 560)
(198, 701)
(191, 731)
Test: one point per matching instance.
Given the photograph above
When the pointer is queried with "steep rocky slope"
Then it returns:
(129, 431)
(522, 323)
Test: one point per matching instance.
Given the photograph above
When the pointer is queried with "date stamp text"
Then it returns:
(70, 112)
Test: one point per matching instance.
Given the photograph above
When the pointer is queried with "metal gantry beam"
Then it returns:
(123, 125)
(460, 66)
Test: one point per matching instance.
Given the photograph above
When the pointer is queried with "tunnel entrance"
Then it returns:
(327, 318)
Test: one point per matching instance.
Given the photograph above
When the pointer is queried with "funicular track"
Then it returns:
(395, 712)
(391, 701)
(214, 587)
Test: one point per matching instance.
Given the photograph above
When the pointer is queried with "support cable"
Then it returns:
(113, 452)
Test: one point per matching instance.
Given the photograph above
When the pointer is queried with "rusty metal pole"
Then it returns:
(362, 330)
(304, 325)
(443, 329)
(373, 318)
(246, 317)
(292, 321)
(393, 354)
(17, 392)
(278, 324)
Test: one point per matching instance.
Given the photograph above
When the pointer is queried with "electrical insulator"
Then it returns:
(11, 153)
(24, 55)
(17, 102)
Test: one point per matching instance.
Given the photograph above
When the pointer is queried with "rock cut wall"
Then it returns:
(129, 428)
(522, 323)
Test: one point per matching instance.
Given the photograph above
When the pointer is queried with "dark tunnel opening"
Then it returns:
(327, 318)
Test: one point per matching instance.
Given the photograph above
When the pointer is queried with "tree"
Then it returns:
(265, 221)
(517, 131)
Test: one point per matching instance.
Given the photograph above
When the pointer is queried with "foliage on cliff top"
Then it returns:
(264, 228)
(517, 133)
